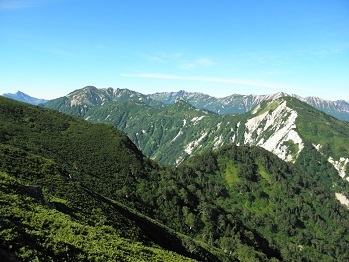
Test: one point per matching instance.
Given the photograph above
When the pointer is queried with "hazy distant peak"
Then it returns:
(22, 97)
(238, 103)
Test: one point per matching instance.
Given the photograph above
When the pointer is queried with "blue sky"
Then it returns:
(48, 48)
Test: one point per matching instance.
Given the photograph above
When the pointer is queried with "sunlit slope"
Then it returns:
(237, 203)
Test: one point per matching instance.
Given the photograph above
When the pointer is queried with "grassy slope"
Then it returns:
(217, 198)
(163, 134)
(281, 202)
(33, 228)
(68, 158)
(319, 128)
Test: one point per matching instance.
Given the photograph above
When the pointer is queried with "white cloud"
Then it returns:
(334, 49)
(178, 60)
(205, 62)
(270, 85)
(187, 66)
(163, 57)
(201, 62)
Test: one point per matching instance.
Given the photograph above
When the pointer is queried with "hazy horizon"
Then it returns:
(50, 48)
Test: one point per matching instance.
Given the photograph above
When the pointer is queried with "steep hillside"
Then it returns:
(286, 126)
(85, 182)
(171, 134)
(85, 168)
(239, 104)
(37, 225)
(279, 201)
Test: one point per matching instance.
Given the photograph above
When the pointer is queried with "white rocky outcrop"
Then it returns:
(192, 145)
(280, 124)
(195, 120)
(340, 165)
(342, 199)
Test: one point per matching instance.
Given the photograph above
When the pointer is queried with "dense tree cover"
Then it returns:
(319, 128)
(162, 133)
(32, 229)
(55, 189)
(237, 203)
(170, 134)
(261, 201)
(94, 160)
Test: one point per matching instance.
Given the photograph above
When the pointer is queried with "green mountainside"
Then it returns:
(44, 227)
(79, 169)
(287, 126)
(170, 134)
(73, 190)
(82, 99)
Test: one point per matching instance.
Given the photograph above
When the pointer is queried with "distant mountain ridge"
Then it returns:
(82, 100)
(20, 96)
(233, 104)
(77, 191)
(171, 134)
(239, 104)
(94, 96)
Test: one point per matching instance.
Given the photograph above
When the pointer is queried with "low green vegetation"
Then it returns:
(322, 129)
(170, 134)
(33, 229)
(73, 190)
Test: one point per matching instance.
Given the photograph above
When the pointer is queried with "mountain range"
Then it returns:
(239, 104)
(171, 133)
(72, 190)
(20, 96)
(234, 104)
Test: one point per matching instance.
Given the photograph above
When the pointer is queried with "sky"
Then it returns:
(49, 48)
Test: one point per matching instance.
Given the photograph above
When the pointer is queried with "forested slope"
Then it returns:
(80, 169)
(171, 134)
(233, 204)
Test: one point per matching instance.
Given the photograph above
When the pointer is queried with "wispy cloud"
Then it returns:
(333, 49)
(264, 57)
(179, 60)
(20, 4)
(154, 58)
(205, 62)
(235, 81)
(163, 57)
(201, 62)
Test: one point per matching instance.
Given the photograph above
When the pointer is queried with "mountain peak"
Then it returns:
(281, 94)
(181, 93)
(22, 97)
(91, 96)
(90, 88)
(20, 93)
